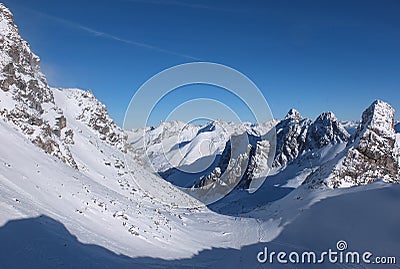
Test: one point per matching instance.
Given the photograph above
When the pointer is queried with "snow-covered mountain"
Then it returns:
(77, 191)
(338, 158)
(63, 156)
(372, 153)
(297, 135)
(26, 99)
(296, 140)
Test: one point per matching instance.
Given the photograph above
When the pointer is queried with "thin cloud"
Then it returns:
(101, 34)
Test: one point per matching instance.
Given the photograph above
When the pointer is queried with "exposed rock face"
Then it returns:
(326, 130)
(235, 152)
(29, 103)
(291, 137)
(26, 99)
(255, 161)
(374, 153)
(95, 115)
(296, 135)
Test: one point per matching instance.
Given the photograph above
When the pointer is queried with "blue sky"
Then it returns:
(312, 55)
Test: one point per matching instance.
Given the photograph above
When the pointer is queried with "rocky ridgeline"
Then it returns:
(296, 135)
(291, 137)
(372, 153)
(94, 114)
(28, 102)
(241, 163)
(26, 99)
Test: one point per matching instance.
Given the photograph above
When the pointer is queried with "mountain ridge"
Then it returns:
(91, 189)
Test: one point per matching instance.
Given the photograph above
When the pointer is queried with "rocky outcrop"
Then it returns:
(291, 137)
(25, 97)
(326, 129)
(373, 153)
(29, 103)
(296, 135)
(255, 157)
(95, 115)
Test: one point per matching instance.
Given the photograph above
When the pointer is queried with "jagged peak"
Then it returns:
(327, 116)
(5, 10)
(15, 54)
(293, 114)
(379, 116)
(327, 129)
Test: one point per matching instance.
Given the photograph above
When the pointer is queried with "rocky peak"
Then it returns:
(291, 134)
(296, 135)
(294, 115)
(379, 118)
(30, 104)
(25, 97)
(373, 154)
(20, 71)
(326, 129)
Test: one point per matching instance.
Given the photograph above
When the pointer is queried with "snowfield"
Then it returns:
(77, 191)
(55, 216)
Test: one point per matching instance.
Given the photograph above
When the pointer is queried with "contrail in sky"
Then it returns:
(97, 33)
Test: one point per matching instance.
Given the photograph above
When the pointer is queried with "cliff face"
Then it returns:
(296, 135)
(27, 101)
(374, 153)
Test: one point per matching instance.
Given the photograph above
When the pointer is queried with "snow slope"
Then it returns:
(54, 216)
(75, 194)
(98, 207)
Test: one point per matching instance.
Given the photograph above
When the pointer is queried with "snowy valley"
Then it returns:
(77, 191)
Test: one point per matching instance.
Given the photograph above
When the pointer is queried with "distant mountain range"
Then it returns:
(63, 158)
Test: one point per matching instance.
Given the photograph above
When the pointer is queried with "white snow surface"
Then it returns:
(54, 214)
(98, 218)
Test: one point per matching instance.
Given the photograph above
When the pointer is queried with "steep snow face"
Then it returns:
(83, 106)
(373, 154)
(25, 98)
